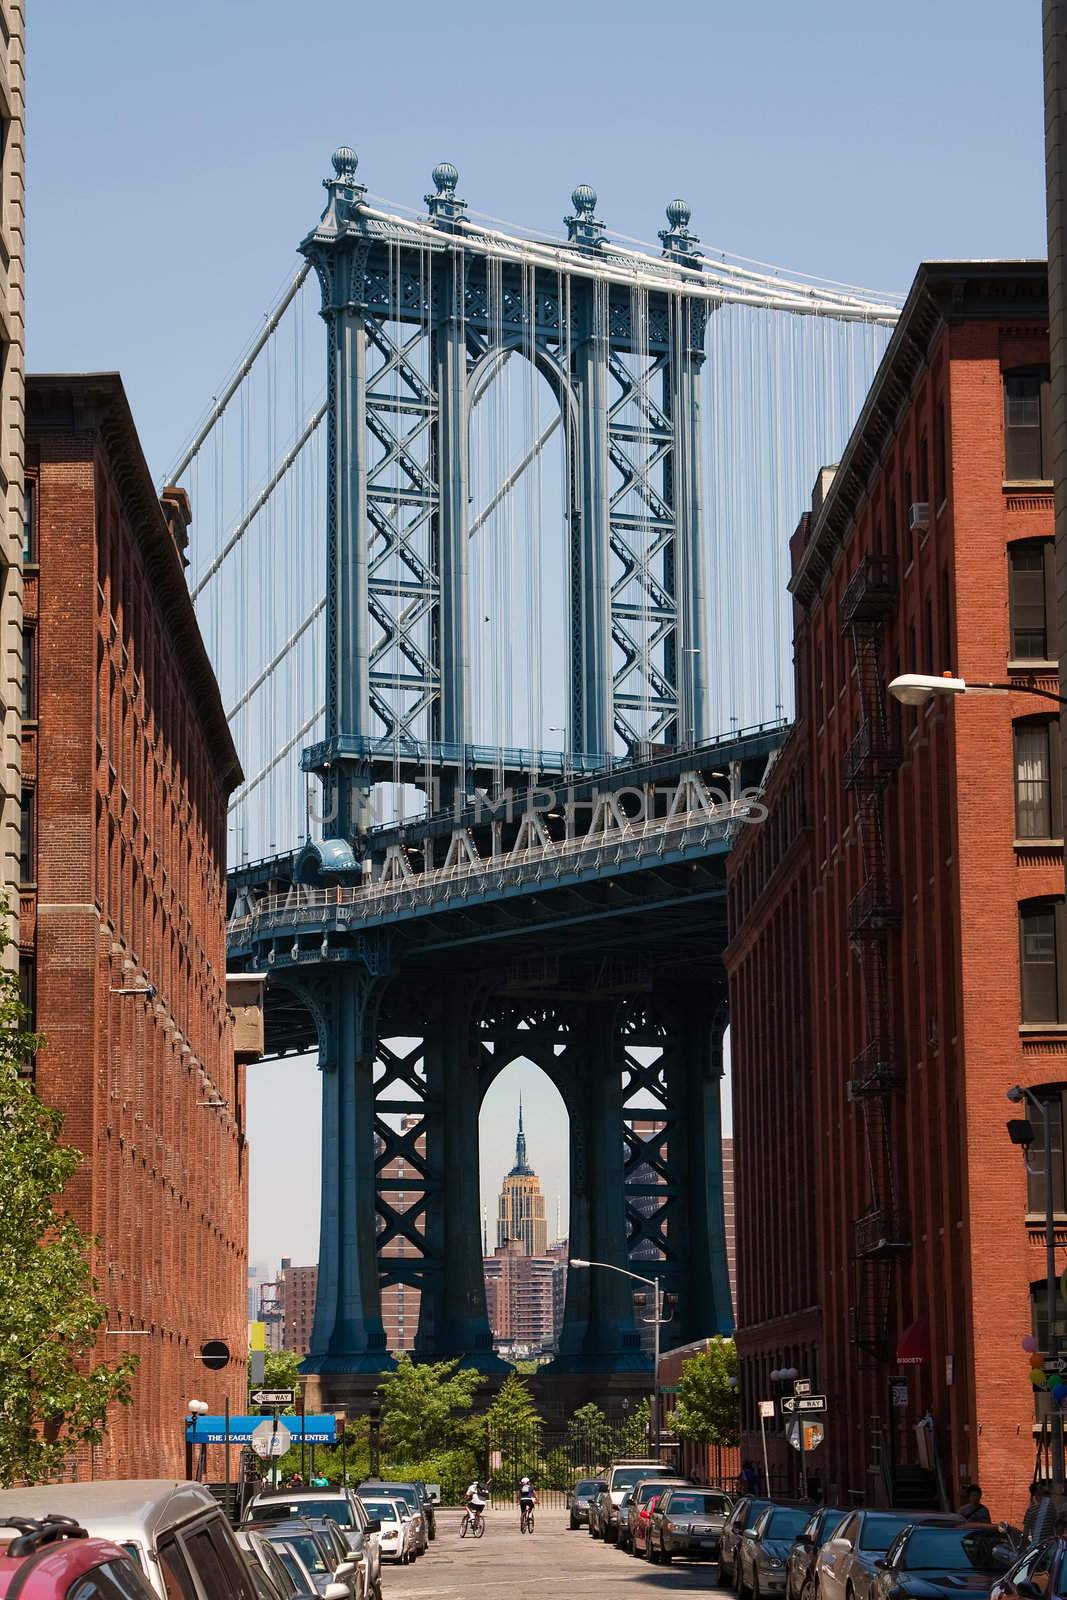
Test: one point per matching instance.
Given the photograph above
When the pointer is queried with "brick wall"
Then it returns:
(129, 765)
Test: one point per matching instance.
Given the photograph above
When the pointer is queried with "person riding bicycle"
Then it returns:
(475, 1498)
(527, 1497)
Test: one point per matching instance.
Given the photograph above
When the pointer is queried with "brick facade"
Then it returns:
(872, 1217)
(127, 766)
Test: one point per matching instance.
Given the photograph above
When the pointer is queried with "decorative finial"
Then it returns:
(345, 161)
(678, 243)
(583, 227)
(444, 206)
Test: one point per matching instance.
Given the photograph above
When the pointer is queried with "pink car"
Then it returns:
(52, 1558)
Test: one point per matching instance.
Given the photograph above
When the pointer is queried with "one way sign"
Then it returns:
(809, 1404)
(273, 1397)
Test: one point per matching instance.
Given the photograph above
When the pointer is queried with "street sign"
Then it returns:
(802, 1386)
(811, 1404)
(766, 1409)
(273, 1397)
(1056, 1364)
(270, 1442)
(814, 1434)
(215, 1354)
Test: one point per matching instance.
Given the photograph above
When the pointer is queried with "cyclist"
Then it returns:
(527, 1501)
(475, 1498)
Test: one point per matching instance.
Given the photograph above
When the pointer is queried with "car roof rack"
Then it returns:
(35, 1532)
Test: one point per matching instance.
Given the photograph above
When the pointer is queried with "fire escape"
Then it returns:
(870, 763)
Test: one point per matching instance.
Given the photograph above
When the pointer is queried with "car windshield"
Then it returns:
(952, 1550)
(292, 1567)
(281, 1510)
(626, 1477)
(695, 1505)
(133, 1550)
(827, 1524)
(586, 1486)
(384, 1510)
(647, 1491)
(784, 1524)
(879, 1532)
(307, 1548)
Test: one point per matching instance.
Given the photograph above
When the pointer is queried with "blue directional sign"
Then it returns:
(212, 1430)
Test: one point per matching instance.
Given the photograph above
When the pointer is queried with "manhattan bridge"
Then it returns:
(493, 579)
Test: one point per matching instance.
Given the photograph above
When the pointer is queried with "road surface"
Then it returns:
(552, 1561)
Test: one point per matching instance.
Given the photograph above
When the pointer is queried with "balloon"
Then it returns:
(1037, 1361)
(1029, 1343)
(1037, 1378)
(1059, 1393)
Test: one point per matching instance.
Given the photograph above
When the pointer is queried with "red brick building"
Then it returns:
(127, 766)
(298, 1286)
(897, 951)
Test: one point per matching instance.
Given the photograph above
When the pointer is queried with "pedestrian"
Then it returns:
(749, 1479)
(1040, 1514)
(971, 1506)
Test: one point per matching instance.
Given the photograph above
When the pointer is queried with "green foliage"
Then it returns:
(513, 1411)
(706, 1412)
(281, 1371)
(559, 1473)
(424, 1408)
(452, 1469)
(52, 1397)
(590, 1441)
(633, 1440)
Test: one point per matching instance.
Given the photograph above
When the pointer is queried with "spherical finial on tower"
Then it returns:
(446, 177)
(678, 214)
(345, 161)
(584, 200)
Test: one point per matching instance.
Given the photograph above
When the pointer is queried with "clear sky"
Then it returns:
(175, 154)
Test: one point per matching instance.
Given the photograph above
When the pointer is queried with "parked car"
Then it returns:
(844, 1566)
(52, 1558)
(581, 1497)
(598, 1509)
(743, 1516)
(319, 1556)
(343, 1510)
(429, 1510)
(412, 1498)
(764, 1550)
(800, 1564)
(633, 1528)
(688, 1522)
(1041, 1571)
(170, 1530)
(622, 1477)
(263, 1556)
(926, 1563)
(398, 1533)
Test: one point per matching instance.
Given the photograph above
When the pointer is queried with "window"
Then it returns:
(1038, 808)
(1038, 938)
(940, 459)
(29, 521)
(1052, 1096)
(28, 991)
(1030, 589)
(29, 674)
(1027, 435)
(26, 840)
(177, 1579)
(924, 470)
(114, 1580)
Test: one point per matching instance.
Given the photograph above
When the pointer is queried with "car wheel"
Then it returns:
(574, 1523)
(650, 1554)
(664, 1554)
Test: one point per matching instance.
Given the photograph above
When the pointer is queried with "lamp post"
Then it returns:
(195, 1409)
(918, 688)
(1022, 1133)
(657, 1322)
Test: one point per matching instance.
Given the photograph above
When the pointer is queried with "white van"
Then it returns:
(175, 1533)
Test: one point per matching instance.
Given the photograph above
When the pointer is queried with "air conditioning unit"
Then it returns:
(919, 517)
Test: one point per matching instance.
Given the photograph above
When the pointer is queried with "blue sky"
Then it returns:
(175, 156)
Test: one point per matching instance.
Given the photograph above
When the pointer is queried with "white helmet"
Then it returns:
(524, 1480)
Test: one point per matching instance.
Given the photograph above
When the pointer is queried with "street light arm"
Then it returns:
(652, 1283)
(1023, 688)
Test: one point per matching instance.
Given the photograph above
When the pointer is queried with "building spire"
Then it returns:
(520, 1145)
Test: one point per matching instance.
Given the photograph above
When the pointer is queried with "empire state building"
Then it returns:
(521, 1211)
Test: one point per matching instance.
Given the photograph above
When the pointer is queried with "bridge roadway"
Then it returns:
(553, 1561)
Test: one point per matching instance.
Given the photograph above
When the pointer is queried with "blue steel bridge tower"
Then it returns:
(603, 968)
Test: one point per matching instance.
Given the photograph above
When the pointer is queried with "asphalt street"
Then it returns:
(507, 1565)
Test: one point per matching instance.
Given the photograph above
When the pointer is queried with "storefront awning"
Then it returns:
(913, 1346)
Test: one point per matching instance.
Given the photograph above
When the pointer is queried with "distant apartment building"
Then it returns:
(520, 1293)
(18, 519)
(127, 767)
(400, 1301)
(297, 1298)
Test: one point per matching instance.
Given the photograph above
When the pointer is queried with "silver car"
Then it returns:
(845, 1565)
(764, 1550)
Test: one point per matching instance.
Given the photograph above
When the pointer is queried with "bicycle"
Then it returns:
(526, 1519)
(473, 1522)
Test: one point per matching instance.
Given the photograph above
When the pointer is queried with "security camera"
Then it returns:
(1016, 1095)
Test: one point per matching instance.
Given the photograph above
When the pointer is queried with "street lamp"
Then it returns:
(194, 1409)
(918, 688)
(1022, 1133)
(657, 1322)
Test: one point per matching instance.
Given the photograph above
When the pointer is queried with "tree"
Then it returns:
(706, 1412)
(52, 1397)
(281, 1370)
(513, 1411)
(424, 1407)
(589, 1438)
